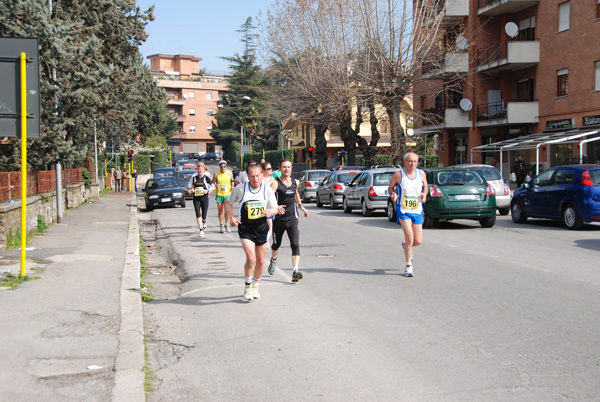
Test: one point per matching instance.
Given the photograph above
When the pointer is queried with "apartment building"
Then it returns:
(193, 99)
(513, 77)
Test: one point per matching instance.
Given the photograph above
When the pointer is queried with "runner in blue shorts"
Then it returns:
(408, 189)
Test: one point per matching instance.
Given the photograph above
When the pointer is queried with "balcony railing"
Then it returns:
(509, 55)
(519, 111)
(497, 7)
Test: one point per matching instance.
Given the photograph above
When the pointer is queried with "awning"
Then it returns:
(535, 141)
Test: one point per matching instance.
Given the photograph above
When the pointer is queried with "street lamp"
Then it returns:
(278, 121)
(242, 129)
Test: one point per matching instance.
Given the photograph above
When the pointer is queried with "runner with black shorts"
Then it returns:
(200, 185)
(286, 192)
(256, 203)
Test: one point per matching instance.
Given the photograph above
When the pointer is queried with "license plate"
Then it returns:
(465, 197)
(165, 200)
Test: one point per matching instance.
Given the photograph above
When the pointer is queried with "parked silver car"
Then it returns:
(368, 191)
(331, 189)
(492, 176)
(309, 179)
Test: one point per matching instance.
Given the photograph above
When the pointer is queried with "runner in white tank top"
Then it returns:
(410, 196)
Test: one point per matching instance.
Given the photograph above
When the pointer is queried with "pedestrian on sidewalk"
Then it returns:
(519, 168)
(408, 189)
(256, 203)
(286, 192)
(118, 176)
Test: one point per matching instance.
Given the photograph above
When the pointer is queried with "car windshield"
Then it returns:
(458, 178)
(595, 176)
(489, 173)
(161, 182)
(314, 176)
(346, 177)
(382, 179)
(184, 175)
(163, 173)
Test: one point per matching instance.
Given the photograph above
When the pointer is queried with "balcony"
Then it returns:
(447, 66)
(508, 55)
(436, 120)
(507, 113)
(497, 7)
(453, 11)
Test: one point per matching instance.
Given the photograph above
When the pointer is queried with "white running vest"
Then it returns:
(409, 193)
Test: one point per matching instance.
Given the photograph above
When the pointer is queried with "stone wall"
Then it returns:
(43, 204)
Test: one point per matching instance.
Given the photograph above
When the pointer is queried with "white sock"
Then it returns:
(248, 280)
(255, 281)
(295, 269)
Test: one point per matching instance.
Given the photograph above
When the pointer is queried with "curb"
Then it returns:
(130, 360)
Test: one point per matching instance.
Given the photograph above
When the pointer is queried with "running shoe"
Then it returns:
(248, 293)
(222, 229)
(227, 229)
(255, 293)
(201, 233)
(272, 266)
(296, 276)
(408, 272)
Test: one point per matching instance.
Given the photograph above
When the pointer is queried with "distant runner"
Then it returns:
(256, 203)
(200, 185)
(286, 191)
(223, 180)
(411, 193)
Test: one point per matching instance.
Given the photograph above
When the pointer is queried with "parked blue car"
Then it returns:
(570, 194)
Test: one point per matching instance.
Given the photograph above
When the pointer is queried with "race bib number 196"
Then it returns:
(256, 209)
(410, 201)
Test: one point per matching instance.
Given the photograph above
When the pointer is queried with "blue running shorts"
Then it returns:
(417, 219)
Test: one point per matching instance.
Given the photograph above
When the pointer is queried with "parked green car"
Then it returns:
(456, 194)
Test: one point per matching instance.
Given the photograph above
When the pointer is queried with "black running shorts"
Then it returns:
(255, 233)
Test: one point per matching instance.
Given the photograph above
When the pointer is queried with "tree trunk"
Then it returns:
(369, 150)
(321, 143)
(398, 140)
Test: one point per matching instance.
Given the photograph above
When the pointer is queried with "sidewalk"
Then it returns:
(76, 333)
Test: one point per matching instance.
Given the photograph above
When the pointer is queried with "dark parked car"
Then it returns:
(163, 192)
(570, 194)
(164, 172)
(211, 156)
(183, 178)
(456, 194)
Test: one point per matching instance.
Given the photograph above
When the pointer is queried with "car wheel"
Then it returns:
(319, 203)
(504, 211)
(366, 211)
(518, 213)
(391, 211)
(332, 203)
(427, 221)
(571, 218)
(304, 199)
(345, 206)
(183, 203)
(149, 208)
(488, 222)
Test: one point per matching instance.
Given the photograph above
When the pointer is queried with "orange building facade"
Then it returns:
(193, 99)
(511, 69)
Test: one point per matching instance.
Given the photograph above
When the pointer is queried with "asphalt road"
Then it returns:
(510, 313)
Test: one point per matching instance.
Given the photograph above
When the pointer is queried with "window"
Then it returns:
(192, 95)
(564, 14)
(562, 82)
(527, 29)
(543, 179)
(208, 128)
(192, 111)
(209, 112)
(192, 129)
(563, 176)
(597, 82)
(525, 90)
(209, 96)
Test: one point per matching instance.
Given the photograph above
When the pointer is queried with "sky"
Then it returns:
(200, 28)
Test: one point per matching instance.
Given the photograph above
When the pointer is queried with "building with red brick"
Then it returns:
(193, 99)
(513, 77)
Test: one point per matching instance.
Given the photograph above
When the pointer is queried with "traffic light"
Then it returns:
(310, 151)
(130, 155)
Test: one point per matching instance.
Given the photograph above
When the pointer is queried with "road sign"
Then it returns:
(10, 96)
(246, 149)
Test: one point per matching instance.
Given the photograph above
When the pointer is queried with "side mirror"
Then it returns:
(527, 185)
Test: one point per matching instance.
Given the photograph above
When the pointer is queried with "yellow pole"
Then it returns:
(105, 162)
(23, 60)
(170, 157)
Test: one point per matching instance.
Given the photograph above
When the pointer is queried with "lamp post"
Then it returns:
(278, 121)
(242, 129)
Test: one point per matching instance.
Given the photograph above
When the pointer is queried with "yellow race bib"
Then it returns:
(410, 201)
(256, 209)
(199, 191)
